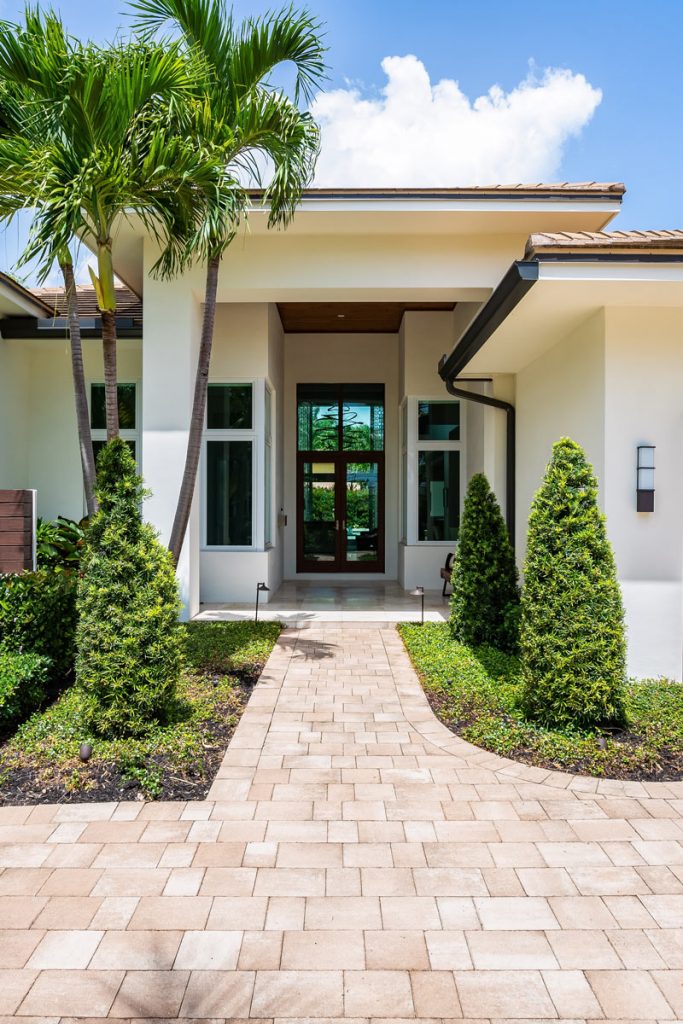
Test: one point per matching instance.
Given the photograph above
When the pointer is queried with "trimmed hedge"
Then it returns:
(129, 642)
(38, 615)
(24, 680)
(573, 647)
(485, 598)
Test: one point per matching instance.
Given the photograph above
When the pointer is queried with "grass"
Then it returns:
(174, 760)
(477, 694)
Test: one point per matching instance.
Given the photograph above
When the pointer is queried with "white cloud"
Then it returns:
(419, 133)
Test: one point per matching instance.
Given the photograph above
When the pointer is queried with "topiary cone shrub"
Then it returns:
(128, 640)
(485, 598)
(573, 646)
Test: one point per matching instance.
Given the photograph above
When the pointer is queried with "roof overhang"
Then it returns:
(15, 300)
(497, 210)
(541, 301)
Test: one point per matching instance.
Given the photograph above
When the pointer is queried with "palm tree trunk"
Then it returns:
(194, 441)
(111, 397)
(80, 394)
(105, 290)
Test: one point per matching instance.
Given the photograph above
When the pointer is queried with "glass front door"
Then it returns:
(340, 479)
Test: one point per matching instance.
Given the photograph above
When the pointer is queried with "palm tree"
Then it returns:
(94, 141)
(240, 111)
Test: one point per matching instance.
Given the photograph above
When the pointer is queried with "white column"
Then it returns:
(169, 357)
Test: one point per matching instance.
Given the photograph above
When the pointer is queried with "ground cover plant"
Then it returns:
(479, 693)
(176, 760)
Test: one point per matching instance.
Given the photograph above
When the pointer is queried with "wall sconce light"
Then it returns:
(420, 592)
(645, 478)
(261, 588)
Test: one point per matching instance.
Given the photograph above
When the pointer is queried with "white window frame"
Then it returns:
(411, 447)
(269, 520)
(126, 435)
(256, 436)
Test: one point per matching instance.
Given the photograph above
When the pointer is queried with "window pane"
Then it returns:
(98, 414)
(363, 412)
(228, 492)
(318, 417)
(228, 407)
(320, 512)
(97, 447)
(362, 512)
(404, 497)
(438, 495)
(438, 421)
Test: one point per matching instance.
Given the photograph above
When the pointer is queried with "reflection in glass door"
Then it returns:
(319, 521)
(362, 513)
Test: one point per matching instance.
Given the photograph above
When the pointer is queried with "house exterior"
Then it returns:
(367, 361)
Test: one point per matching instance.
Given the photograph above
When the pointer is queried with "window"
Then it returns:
(128, 417)
(229, 407)
(229, 466)
(340, 417)
(229, 493)
(438, 506)
(432, 468)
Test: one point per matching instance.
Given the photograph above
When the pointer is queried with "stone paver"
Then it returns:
(354, 860)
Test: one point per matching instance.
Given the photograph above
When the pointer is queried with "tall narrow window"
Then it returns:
(229, 493)
(229, 466)
(432, 470)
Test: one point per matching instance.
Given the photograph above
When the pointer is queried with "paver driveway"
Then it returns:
(354, 860)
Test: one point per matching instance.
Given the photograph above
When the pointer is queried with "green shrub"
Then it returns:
(59, 544)
(485, 598)
(23, 685)
(38, 614)
(224, 647)
(129, 642)
(572, 635)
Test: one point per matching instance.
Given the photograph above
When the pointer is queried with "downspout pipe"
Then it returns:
(510, 460)
(519, 279)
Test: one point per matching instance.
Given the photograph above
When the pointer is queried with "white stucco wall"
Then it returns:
(561, 394)
(644, 405)
(37, 411)
(612, 384)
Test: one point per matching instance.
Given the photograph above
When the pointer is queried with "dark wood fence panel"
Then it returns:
(17, 530)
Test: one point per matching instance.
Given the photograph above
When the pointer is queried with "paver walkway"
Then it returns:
(354, 860)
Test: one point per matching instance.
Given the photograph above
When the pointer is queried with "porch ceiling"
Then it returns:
(350, 317)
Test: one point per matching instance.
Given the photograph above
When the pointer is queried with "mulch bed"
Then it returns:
(669, 767)
(102, 781)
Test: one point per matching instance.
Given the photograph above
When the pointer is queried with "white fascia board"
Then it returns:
(444, 204)
(606, 270)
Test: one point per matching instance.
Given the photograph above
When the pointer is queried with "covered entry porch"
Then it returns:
(298, 603)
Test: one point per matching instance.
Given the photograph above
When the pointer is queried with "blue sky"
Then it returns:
(630, 51)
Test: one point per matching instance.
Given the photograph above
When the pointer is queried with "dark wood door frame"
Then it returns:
(340, 460)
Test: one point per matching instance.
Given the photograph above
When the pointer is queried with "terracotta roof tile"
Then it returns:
(615, 188)
(128, 304)
(600, 240)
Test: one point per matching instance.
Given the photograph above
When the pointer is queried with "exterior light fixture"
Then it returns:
(645, 478)
(420, 592)
(261, 588)
(85, 751)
